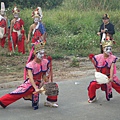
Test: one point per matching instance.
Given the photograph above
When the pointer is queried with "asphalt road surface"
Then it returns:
(72, 102)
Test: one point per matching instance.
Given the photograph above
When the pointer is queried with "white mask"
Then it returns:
(40, 54)
(16, 15)
(36, 20)
(108, 50)
(2, 12)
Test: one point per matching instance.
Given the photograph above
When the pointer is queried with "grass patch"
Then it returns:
(75, 62)
(72, 27)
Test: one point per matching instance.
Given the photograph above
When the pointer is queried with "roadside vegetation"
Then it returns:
(72, 26)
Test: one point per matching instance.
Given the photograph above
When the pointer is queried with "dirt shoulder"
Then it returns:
(12, 67)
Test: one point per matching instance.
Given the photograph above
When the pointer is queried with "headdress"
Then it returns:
(35, 14)
(40, 12)
(15, 10)
(38, 46)
(2, 6)
(106, 43)
(105, 16)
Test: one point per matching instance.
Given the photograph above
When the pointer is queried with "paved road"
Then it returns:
(73, 105)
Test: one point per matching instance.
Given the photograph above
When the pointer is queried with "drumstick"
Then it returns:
(40, 91)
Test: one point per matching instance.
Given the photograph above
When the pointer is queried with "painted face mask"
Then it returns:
(36, 20)
(2, 12)
(16, 15)
(40, 54)
(108, 50)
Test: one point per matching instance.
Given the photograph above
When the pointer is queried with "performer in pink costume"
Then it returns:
(3, 25)
(104, 63)
(38, 72)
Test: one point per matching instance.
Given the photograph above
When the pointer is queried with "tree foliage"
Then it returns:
(49, 4)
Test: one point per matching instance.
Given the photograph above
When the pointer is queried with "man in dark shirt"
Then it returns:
(106, 28)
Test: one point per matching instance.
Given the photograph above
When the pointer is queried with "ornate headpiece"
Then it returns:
(40, 12)
(38, 46)
(106, 43)
(2, 6)
(35, 14)
(15, 10)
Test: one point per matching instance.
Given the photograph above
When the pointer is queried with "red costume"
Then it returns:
(3, 26)
(17, 33)
(18, 36)
(36, 35)
(39, 31)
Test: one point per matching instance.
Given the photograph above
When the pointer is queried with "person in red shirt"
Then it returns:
(3, 25)
(17, 33)
(37, 29)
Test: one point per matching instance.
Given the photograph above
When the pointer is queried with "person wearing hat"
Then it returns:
(17, 32)
(38, 73)
(105, 78)
(106, 28)
(37, 29)
(3, 25)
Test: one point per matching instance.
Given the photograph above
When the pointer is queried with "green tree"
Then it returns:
(49, 4)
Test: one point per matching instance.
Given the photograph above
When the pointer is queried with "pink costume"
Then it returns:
(103, 65)
(3, 27)
(26, 90)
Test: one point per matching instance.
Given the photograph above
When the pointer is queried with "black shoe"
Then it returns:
(110, 95)
(2, 105)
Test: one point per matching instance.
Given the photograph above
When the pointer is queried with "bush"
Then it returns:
(74, 63)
